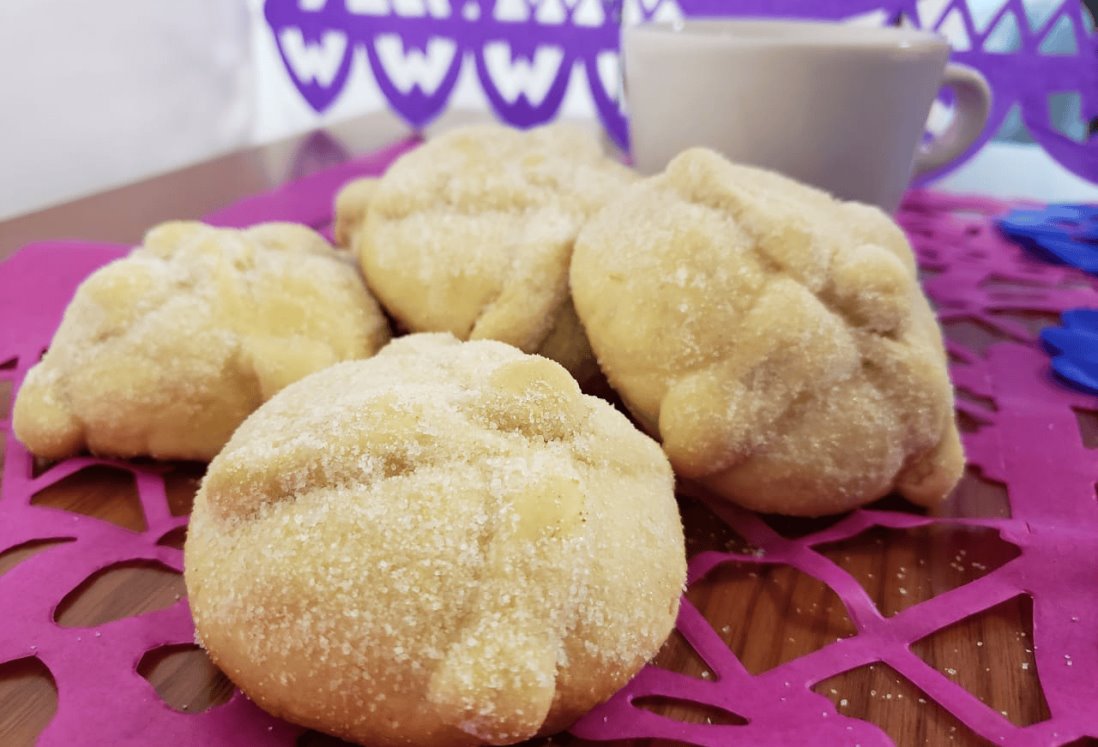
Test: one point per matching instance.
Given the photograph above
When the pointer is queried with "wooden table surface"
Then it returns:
(787, 614)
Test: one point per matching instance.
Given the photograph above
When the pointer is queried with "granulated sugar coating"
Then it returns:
(447, 544)
(776, 339)
(472, 234)
(166, 351)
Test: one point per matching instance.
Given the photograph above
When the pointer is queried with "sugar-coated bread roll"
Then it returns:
(776, 340)
(472, 234)
(444, 545)
(165, 351)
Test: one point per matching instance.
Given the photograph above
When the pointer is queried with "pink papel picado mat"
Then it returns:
(1026, 437)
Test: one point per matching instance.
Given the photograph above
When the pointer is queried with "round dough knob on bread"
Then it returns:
(164, 352)
(446, 544)
(472, 234)
(774, 338)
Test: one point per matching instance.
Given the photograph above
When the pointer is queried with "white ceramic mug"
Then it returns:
(837, 106)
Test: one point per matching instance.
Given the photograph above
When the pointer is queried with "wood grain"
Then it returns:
(28, 700)
(767, 615)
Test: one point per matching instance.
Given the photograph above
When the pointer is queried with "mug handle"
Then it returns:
(969, 118)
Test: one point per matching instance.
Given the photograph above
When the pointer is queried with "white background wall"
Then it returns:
(101, 92)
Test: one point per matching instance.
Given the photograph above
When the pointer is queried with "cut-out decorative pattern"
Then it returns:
(742, 600)
(174, 538)
(900, 568)
(976, 494)
(1088, 426)
(528, 55)
(676, 655)
(991, 656)
(1027, 451)
(5, 398)
(133, 587)
(170, 670)
(876, 691)
(101, 491)
(15, 555)
(28, 697)
(688, 711)
(181, 483)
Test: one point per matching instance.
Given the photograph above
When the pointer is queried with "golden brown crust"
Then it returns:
(472, 234)
(447, 544)
(164, 352)
(776, 339)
